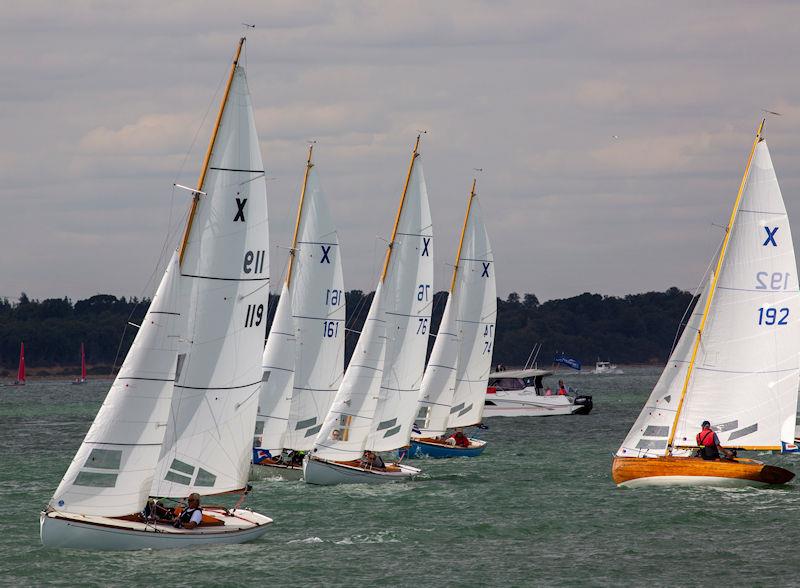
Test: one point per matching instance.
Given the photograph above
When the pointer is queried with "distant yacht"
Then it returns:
(82, 379)
(20, 381)
(606, 367)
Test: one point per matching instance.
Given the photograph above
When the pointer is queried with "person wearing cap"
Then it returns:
(709, 443)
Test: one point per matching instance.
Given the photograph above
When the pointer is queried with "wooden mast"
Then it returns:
(293, 250)
(206, 161)
(713, 287)
(414, 155)
(463, 230)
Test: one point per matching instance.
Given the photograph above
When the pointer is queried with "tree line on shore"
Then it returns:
(637, 328)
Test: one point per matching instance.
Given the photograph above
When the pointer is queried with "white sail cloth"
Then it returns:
(207, 448)
(477, 313)
(408, 299)
(318, 302)
(278, 366)
(349, 421)
(113, 469)
(746, 373)
(439, 380)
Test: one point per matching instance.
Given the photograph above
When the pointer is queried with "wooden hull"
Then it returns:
(693, 471)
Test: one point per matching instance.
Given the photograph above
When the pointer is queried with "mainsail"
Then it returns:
(745, 369)
(407, 302)
(225, 265)
(113, 469)
(477, 314)
(318, 301)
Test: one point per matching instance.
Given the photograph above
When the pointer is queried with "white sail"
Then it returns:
(477, 313)
(348, 423)
(226, 262)
(113, 469)
(278, 366)
(408, 299)
(318, 300)
(438, 383)
(649, 435)
(746, 373)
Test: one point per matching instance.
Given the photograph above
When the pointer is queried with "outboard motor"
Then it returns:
(585, 403)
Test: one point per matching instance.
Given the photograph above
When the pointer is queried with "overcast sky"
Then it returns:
(104, 105)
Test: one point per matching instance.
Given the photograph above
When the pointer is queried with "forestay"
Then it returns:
(477, 313)
(278, 367)
(318, 300)
(348, 423)
(408, 297)
(226, 262)
(113, 469)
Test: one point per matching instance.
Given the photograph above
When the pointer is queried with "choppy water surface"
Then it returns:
(537, 508)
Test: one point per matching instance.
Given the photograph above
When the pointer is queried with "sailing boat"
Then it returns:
(304, 356)
(180, 414)
(82, 379)
(736, 363)
(454, 386)
(374, 407)
(20, 381)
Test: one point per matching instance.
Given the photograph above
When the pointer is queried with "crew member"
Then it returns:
(192, 515)
(709, 443)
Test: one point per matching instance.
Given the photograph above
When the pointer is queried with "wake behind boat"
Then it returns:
(736, 363)
(521, 393)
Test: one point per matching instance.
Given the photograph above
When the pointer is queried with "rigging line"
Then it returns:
(698, 292)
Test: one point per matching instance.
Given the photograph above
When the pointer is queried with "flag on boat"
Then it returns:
(570, 362)
(260, 455)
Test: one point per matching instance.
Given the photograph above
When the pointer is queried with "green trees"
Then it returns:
(637, 328)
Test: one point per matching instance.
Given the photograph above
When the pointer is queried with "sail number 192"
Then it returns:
(773, 316)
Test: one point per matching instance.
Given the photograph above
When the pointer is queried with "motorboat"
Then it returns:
(513, 393)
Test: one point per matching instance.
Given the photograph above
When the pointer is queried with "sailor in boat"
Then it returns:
(709, 443)
(458, 439)
(373, 460)
(192, 515)
(154, 511)
(562, 390)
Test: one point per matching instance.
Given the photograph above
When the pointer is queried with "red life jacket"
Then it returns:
(705, 438)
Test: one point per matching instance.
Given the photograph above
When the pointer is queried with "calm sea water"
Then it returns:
(538, 508)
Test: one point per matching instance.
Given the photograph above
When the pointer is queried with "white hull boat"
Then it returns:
(527, 403)
(328, 473)
(606, 367)
(521, 393)
(268, 471)
(75, 531)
